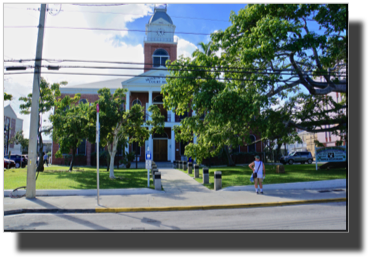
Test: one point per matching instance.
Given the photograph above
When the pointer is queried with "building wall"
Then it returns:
(16, 125)
(149, 49)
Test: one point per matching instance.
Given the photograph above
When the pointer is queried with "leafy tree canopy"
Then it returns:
(116, 123)
(272, 76)
(70, 122)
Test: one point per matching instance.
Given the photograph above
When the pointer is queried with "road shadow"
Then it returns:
(71, 218)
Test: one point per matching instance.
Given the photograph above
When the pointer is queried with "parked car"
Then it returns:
(297, 157)
(9, 163)
(19, 160)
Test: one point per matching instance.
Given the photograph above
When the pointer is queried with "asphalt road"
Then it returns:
(328, 216)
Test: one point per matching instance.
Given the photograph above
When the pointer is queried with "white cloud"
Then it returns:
(20, 43)
(185, 47)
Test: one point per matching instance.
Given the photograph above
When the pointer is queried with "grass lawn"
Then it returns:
(240, 175)
(58, 177)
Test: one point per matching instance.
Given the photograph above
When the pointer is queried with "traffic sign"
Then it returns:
(148, 156)
(148, 164)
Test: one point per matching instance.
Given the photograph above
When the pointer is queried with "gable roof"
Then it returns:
(111, 84)
(158, 14)
(10, 108)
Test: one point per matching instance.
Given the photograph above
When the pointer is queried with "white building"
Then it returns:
(143, 89)
(15, 124)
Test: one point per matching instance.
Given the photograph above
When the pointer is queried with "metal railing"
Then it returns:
(161, 39)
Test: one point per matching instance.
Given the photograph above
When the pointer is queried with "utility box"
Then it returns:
(196, 171)
(157, 180)
(205, 176)
(217, 180)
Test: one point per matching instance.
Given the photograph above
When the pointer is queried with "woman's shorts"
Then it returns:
(258, 180)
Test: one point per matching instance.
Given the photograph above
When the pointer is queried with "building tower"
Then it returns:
(159, 44)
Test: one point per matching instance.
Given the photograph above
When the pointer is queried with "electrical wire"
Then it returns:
(106, 29)
(165, 69)
(171, 77)
(248, 70)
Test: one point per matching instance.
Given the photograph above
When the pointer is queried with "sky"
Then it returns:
(125, 46)
(110, 45)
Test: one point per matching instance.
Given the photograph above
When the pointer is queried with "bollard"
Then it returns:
(190, 168)
(205, 176)
(175, 164)
(184, 165)
(217, 180)
(153, 172)
(157, 180)
(196, 171)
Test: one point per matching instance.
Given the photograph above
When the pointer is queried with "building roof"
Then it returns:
(160, 13)
(111, 84)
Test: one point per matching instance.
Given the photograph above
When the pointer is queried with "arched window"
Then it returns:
(158, 99)
(252, 147)
(160, 135)
(159, 57)
(137, 101)
(83, 101)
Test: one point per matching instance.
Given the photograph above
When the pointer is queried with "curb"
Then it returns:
(47, 210)
(169, 208)
(210, 207)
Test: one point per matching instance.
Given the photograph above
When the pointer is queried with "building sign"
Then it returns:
(156, 79)
(330, 154)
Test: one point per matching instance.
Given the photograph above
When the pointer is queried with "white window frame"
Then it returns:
(160, 56)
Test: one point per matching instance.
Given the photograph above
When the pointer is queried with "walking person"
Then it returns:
(258, 167)
(46, 159)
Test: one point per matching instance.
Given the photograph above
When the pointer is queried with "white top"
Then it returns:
(258, 170)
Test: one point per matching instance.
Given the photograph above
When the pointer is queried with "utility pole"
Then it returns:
(34, 113)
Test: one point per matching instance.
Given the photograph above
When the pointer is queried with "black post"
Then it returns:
(8, 138)
(136, 156)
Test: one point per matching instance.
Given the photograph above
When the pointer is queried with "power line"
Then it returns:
(214, 70)
(125, 13)
(111, 29)
(144, 76)
(247, 70)
(105, 29)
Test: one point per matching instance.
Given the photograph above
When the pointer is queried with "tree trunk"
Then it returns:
(112, 149)
(278, 151)
(229, 158)
(72, 159)
(112, 164)
(40, 167)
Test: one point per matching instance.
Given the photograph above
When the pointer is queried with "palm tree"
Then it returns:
(206, 49)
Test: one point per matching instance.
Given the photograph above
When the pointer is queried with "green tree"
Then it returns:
(281, 39)
(19, 139)
(116, 123)
(269, 64)
(7, 97)
(70, 122)
(48, 93)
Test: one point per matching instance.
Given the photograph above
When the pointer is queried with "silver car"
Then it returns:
(297, 157)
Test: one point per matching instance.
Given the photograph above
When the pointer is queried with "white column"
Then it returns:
(150, 97)
(173, 146)
(128, 95)
(172, 118)
(151, 146)
(150, 137)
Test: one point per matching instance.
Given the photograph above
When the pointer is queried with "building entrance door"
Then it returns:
(160, 150)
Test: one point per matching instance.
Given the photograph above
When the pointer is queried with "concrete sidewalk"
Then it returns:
(181, 192)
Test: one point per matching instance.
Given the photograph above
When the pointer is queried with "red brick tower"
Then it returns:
(160, 44)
